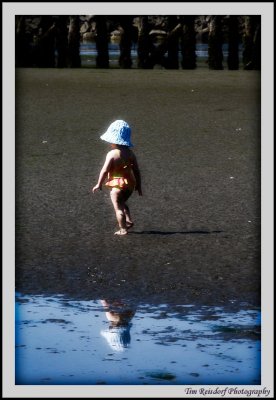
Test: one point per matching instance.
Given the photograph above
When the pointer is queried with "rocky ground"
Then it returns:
(196, 237)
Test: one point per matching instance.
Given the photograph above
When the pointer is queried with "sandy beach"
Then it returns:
(196, 238)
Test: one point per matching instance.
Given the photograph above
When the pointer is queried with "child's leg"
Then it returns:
(126, 195)
(119, 206)
(129, 222)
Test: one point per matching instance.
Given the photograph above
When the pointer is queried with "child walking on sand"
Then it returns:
(122, 172)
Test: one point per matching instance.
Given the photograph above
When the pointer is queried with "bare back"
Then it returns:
(122, 163)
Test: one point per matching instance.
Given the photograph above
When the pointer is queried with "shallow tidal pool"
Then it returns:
(62, 341)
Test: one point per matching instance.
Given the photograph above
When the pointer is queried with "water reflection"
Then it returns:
(64, 341)
(119, 314)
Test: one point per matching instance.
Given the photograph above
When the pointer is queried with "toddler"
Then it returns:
(121, 171)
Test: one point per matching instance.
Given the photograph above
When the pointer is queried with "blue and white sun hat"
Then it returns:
(119, 132)
(118, 338)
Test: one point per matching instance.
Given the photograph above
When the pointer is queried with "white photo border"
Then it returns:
(10, 9)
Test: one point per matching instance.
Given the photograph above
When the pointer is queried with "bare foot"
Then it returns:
(121, 232)
(129, 225)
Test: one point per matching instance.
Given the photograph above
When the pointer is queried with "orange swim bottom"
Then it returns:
(120, 183)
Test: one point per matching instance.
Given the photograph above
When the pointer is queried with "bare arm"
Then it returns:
(137, 175)
(104, 171)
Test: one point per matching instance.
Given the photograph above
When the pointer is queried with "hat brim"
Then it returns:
(106, 138)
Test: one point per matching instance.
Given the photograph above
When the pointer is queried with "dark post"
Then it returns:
(257, 44)
(188, 42)
(247, 43)
(126, 41)
(45, 52)
(102, 59)
(173, 44)
(22, 53)
(157, 53)
(144, 43)
(62, 41)
(233, 43)
(215, 55)
(74, 42)
(252, 42)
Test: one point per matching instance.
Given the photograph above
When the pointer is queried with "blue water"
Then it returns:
(89, 49)
(62, 341)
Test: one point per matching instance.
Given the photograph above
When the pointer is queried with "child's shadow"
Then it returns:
(195, 232)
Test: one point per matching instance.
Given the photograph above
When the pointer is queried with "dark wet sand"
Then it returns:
(196, 238)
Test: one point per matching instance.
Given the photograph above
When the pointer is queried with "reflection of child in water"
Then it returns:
(119, 316)
(122, 172)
